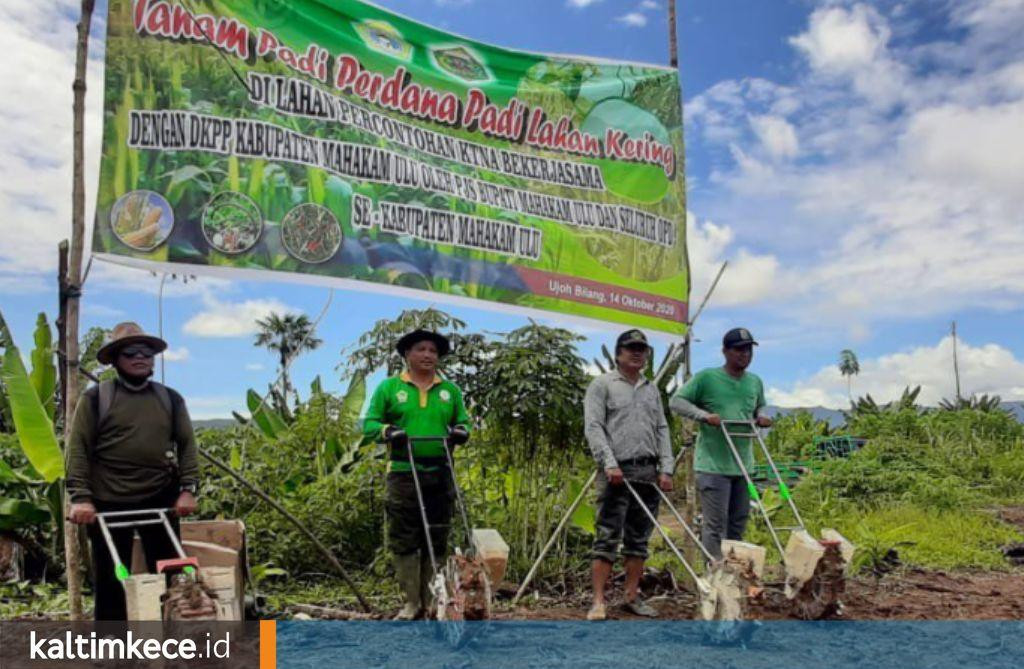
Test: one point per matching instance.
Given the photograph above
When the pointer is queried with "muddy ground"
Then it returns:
(902, 594)
(913, 594)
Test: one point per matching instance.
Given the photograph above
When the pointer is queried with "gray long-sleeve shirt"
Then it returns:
(625, 421)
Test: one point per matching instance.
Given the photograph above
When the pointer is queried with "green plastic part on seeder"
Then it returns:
(752, 489)
(189, 570)
(783, 490)
(121, 572)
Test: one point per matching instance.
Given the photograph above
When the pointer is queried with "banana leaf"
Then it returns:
(585, 515)
(316, 387)
(44, 372)
(16, 513)
(352, 404)
(10, 475)
(33, 427)
(268, 420)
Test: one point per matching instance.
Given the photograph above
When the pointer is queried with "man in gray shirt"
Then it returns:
(628, 435)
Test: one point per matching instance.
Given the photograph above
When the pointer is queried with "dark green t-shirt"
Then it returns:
(716, 391)
(398, 401)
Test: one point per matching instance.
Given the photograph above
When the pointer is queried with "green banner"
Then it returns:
(333, 141)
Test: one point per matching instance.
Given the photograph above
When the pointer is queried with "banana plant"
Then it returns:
(269, 421)
(31, 422)
(44, 371)
(31, 495)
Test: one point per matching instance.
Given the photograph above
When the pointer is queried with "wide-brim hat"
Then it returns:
(416, 336)
(124, 334)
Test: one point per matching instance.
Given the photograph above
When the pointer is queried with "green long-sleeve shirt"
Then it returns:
(398, 401)
(131, 456)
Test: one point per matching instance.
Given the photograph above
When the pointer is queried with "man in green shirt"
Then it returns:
(728, 392)
(130, 447)
(418, 403)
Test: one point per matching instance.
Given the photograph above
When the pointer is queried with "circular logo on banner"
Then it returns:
(311, 233)
(232, 223)
(142, 219)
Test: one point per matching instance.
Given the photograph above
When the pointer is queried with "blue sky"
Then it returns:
(857, 163)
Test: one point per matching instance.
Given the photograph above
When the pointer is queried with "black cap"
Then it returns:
(631, 337)
(416, 336)
(737, 337)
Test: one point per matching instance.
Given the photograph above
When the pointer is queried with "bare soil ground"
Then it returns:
(904, 594)
(913, 594)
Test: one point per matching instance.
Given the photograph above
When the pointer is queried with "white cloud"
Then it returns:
(255, 367)
(226, 319)
(749, 277)
(986, 369)
(959, 144)
(776, 134)
(853, 44)
(649, 4)
(176, 354)
(878, 212)
(581, 4)
(633, 20)
(843, 40)
(35, 175)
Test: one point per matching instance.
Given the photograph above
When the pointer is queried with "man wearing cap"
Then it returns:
(728, 392)
(131, 447)
(628, 436)
(418, 403)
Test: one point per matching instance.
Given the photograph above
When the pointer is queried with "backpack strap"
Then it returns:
(105, 392)
(164, 396)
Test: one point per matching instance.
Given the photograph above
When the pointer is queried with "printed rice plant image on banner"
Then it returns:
(341, 144)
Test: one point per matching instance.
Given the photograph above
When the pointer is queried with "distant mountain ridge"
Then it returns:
(214, 423)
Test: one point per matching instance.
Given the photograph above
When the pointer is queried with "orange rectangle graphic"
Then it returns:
(268, 644)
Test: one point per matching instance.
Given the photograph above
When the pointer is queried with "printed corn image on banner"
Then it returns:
(334, 142)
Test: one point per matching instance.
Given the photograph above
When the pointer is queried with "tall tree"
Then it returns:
(848, 367)
(289, 336)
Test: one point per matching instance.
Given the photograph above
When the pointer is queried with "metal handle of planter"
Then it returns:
(104, 519)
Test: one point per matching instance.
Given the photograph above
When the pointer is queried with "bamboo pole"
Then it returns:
(297, 523)
(673, 40)
(73, 283)
(956, 365)
(62, 335)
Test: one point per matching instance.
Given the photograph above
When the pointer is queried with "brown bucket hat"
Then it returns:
(124, 334)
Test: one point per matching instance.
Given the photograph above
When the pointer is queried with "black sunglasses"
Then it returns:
(137, 352)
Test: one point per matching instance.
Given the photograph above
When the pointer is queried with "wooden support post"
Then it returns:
(62, 334)
(73, 287)
(673, 41)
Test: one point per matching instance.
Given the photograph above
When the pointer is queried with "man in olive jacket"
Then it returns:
(131, 447)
